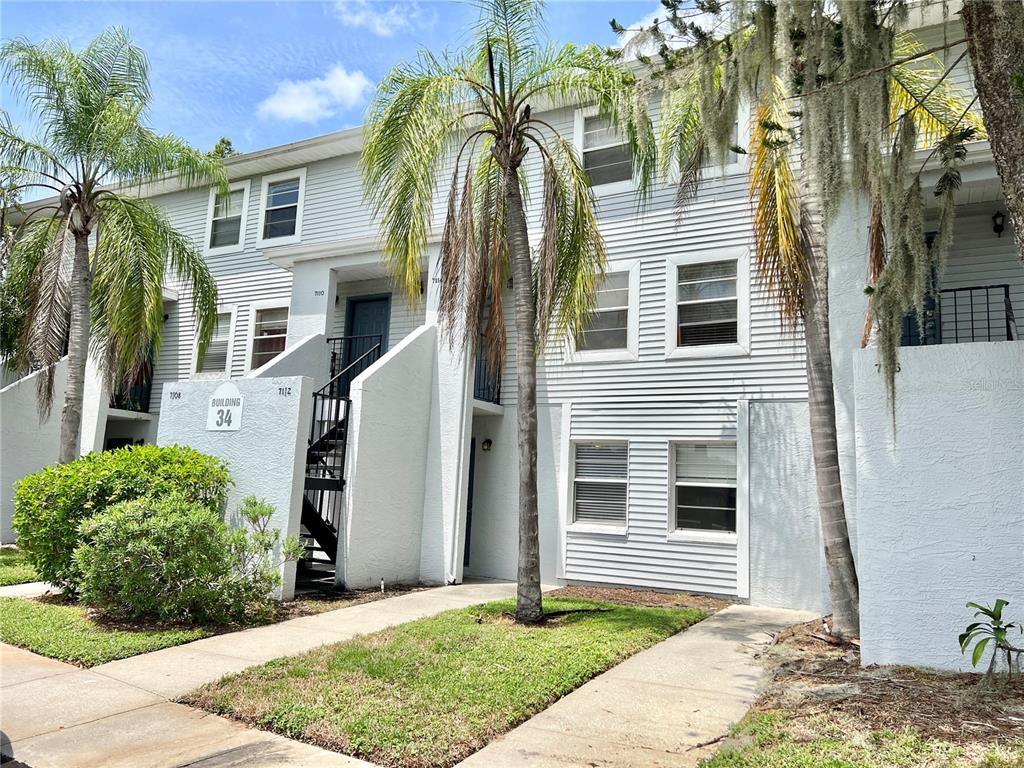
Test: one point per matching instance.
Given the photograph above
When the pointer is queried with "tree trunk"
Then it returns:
(78, 351)
(528, 597)
(995, 43)
(842, 571)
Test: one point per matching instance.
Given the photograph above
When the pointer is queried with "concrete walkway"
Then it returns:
(657, 708)
(30, 589)
(55, 715)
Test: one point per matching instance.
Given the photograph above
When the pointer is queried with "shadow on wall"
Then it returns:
(786, 559)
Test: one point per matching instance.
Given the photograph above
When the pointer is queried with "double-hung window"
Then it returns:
(281, 220)
(225, 230)
(218, 354)
(607, 327)
(705, 487)
(606, 156)
(600, 480)
(269, 335)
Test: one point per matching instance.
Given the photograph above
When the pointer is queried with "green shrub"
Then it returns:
(162, 559)
(50, 505)
(173, 560)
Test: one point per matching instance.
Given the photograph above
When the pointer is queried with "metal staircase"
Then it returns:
(325, 455)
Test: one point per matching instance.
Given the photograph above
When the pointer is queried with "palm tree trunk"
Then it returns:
(995, 43)
(842, 571)
(78, 350)
(528, 596)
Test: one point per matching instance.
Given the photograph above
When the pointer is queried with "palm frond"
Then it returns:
(137, 247)
(779, 251)
(40, 269)
(923, 89)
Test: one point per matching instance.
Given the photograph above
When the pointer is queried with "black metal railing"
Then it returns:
(349, 356)
(963, 315)
(328, 441)
(486, 383)
(134, 395)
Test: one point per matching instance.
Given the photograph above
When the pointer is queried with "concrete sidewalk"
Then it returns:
(659, 708)
(55, 715)
(29, 589)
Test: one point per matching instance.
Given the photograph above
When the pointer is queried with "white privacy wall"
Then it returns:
(941, 520)
(27, 443)
(386, 468)
(266, 456)
(787, 568)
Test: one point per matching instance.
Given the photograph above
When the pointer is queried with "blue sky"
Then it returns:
(266, 73)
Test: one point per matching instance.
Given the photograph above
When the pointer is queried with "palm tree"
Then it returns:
(817, 78)
(92, 148)
(475, 110)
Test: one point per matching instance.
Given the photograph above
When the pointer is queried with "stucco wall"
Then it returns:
(387, 464)
(26, 443)
(266, 455)
(494, 530)
(939, 504)
(786, 555)
(309, 356)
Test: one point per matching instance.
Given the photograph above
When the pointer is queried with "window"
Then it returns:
(281, 221)
(269, 335)
(599, 483)
(705, 487)
(706, 304)
(225, 229)
(606, 157)
(608, 324)
(218, 354)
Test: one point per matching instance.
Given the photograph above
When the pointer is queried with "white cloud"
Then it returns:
(382, 19)
(309, 101)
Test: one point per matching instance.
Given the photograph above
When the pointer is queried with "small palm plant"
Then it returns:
(995, 632)
(473, 115)
(87, 265)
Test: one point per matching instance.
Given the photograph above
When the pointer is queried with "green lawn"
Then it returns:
(778, 740)
(15, 567)
(431, 692)
(65, 632)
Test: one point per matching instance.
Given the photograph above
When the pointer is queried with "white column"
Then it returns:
(95, 404)
(447, 481)
(314, 289)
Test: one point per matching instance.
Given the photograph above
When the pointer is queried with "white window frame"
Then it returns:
(742, 344)
(231, 309)
(631, 350)
(612, 188)
(737, 162)
(571, 526)
(240, 245)
(694, 534)
(295, 173)
(255, 307)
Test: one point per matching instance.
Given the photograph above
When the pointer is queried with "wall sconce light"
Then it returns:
(998, 223)
(485, 446)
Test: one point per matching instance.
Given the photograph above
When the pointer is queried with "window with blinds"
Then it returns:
(705, 486)
(607, 327)
(216, 359)
(270, 331)
(282, 209)
(599, 483)
(706, 304)
(606, 157)
(226, 227)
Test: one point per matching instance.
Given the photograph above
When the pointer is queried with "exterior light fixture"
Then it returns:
(486, 445)
(998, 223)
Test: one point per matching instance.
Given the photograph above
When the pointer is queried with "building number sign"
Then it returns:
(225, 411)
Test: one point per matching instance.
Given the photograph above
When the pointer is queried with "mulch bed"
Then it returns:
(641, 597)
(312, 603)
(811, 677)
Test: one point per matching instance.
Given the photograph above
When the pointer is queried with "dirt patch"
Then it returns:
(312, 603)
(646, 598)
(808, 678)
